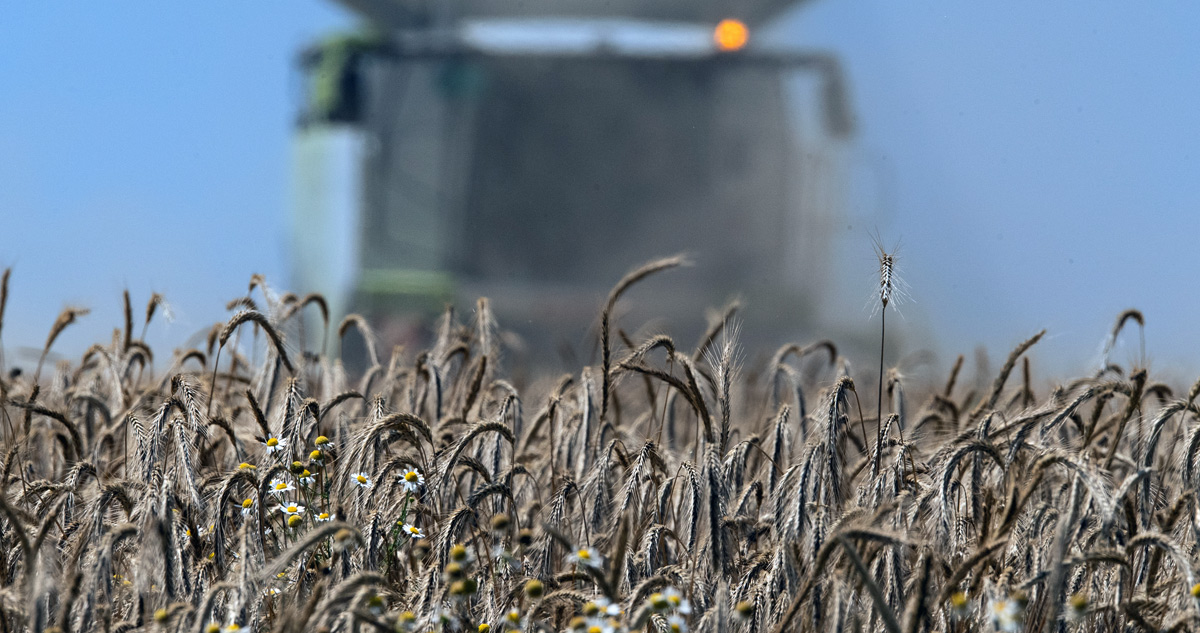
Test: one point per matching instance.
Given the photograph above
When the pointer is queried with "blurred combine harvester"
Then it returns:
(534, 151)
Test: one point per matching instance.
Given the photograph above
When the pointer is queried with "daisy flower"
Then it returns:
(960, 605)
(413, 531)
(275, 445)
(279, 487)
(247, 507)
(291, 509)
(585, 556)
(601, 606)
(362, 479)
(1007, 615)
(413, 480)
(505, 557)
(676, 624)
(598, 625)
(678, 602)
(307, 479)
(324, 516)
(1077, 607)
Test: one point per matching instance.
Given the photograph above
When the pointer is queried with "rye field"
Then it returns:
(257, 484)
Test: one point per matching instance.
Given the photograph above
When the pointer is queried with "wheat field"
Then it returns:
(255, 484)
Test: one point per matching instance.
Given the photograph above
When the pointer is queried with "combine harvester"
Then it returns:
(534, 151)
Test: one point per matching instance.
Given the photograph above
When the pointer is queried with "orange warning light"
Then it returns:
(731, 35)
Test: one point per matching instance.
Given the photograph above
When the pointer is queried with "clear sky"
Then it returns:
(1040, 162)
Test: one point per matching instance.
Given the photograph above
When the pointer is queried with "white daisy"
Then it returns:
(505, 557)
(413, 531)
(307, 479)
(279, 487)
(324, 516)
(585, 556)
(678, 602)
(598, 625)
(247, 507)
(291, 509)
(362, 479)
(676, 624)
(1007, 615)
(275, 445)
(606, 606)
(413, 480)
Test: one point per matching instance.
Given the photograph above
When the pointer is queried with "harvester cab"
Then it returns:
(532, 152)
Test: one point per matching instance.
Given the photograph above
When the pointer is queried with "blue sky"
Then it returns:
(1038, 161)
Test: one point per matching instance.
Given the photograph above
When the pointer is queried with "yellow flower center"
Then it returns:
(675, 600)
(305, 473)
(410, 476)
(514, 616)
(245, 465)
(584, 554)
(291, 508)
(247, 503)
(314, 455)
(272, 442)
(234, 627)
(362, 479)
(414, 529)
(281, 486)
(595, 628)
(321, 439)
(323, 515)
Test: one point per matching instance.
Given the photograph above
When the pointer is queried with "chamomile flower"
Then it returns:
(324, 516)
(275, 445)
(503, 556)
(678, 602)
(306, 478)
(676, 624)
(279, 487)
(960, 606)
(601, 606)
(1007, 615)
(413, 531)
(585, 556)
(597, 625)
(1077, 607)
(291, 509)
(363, 480)
(247, 507)
(413, 480)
